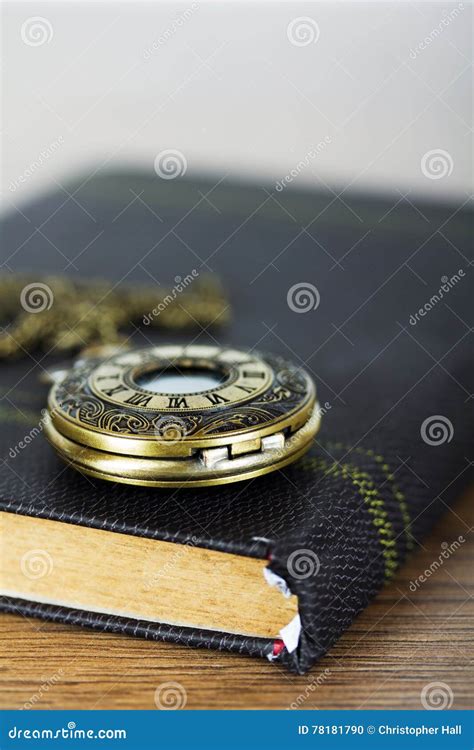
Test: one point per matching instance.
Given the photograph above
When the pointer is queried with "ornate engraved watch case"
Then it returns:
(172, 415)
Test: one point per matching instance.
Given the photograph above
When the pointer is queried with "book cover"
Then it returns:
(391, 362)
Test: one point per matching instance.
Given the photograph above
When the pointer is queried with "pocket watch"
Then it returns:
(169, 416)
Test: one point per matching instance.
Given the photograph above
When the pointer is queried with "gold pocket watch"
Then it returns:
(169, 416)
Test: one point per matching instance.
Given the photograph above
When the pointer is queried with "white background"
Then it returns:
(231, 92)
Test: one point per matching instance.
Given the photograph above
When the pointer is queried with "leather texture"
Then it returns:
(337, 524)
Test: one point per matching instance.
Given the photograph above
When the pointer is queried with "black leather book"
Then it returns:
(385, 336)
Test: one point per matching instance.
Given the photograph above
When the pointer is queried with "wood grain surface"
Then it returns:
(403, 642)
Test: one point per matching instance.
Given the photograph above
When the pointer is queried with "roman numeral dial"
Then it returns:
(238, 377)
(174, 415)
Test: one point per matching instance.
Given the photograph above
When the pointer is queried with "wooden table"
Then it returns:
(404, 641)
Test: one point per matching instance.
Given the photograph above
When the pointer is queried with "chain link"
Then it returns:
(63, 315)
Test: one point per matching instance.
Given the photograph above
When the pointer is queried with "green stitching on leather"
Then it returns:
(396, 491)
(375, 505)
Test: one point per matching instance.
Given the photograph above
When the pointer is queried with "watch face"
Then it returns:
(182, 415)
(221, 376)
